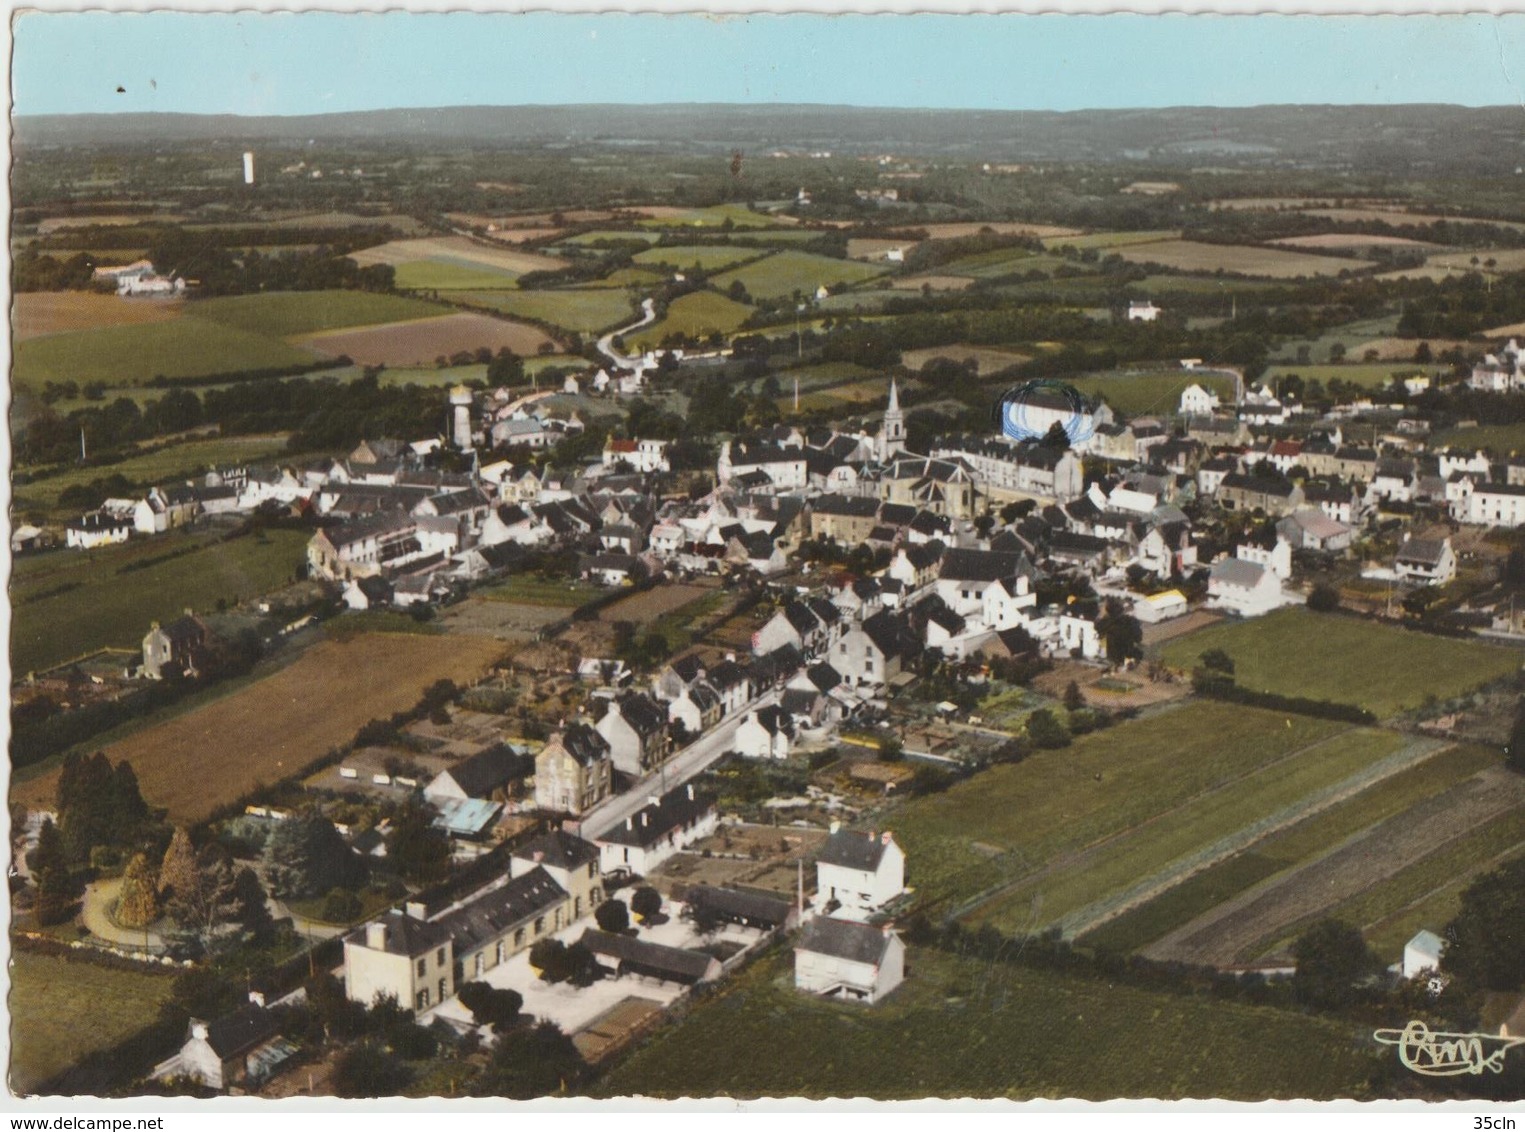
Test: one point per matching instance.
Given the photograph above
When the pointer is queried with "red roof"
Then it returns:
(622, 446)
(1287, 448)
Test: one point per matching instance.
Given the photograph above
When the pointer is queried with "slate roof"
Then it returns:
(852, 849)
(980, 565)
(559, 849)
(844, 939)
(584, 744)
(405, 935)
(654, 821)
(672, 963)
(1237, 572)
(486, 771)
(733, 903)
(489, 916)
(239, 1032)
(1422, 552)
(642, 714)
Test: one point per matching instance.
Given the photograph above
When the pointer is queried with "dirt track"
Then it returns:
(1222, 936)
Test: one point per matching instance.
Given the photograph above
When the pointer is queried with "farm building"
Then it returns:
(239, 1049)
(843, 959)
(97, 528)
(622, 955)
(759, 910)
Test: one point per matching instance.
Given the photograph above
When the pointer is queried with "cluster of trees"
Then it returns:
(560, 962)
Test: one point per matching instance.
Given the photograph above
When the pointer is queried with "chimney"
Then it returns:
(690, 791)
(198, 1029)
(645, 819)
(376, 935)
(835, 825)
(538, 855)
(884, 838)
(888, 930)
(416, 910)
(257, 997)
(630, 822)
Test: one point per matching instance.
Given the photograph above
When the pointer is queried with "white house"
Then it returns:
(1143, 312)
(1246, 588)
(842, 959)
(1278, 559)
(1496, 505)
(657, 831)
(1422, 953)
(1198, 402)
(1426, 561)
(858, 873)
(1079, 634)
(98, 528)
(765, 733)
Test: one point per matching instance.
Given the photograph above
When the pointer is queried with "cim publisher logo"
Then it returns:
(1029, 410)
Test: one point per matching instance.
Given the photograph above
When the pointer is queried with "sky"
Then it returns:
(260, 64)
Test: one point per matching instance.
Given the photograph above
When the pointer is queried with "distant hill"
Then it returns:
(1417, 136)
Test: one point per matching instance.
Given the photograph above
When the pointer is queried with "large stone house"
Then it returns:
(574, 771)
(177, 649)
(635, 728)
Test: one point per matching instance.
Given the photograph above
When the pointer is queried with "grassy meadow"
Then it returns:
(1293, 652)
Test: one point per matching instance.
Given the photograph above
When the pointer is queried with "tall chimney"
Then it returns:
(376, 935)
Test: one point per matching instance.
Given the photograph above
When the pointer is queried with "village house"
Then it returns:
(95, 529)
(573, 771)
(1008, 470)
(1314, 530)
(1246, 588)
(837, 958)
(1425, 561)
(177, 649)
(696, 708)
(870, 655)
(636, 730)
(657, 831)
(1496, 505)
(858, 874)
(765, 733)
(643, 456)
(1270, 494)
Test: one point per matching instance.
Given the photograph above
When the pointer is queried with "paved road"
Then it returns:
(687, 764)
(606, 343)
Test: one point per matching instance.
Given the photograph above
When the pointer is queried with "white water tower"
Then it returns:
(248, 167)
(460, 400)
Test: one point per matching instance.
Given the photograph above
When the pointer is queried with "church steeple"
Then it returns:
(892, 431)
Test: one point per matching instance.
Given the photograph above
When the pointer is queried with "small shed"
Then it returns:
(1422, 953)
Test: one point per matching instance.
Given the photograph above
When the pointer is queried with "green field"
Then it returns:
(699, 314)
(1501, 440)
(107, 607)
(443, 275)
(1013, 819)
(1140, 394)
(739, 215)
(522, 589)
(1106, 240)
(643, 277)
(1391, 900)
(582, 311)
(1190, 829)
(283, 313)
(1296, 845)
(1156, 285)
(608, 235)
(156, 467)
(784, 273)
(1368, 375)
(1386, 670)
(968, 1028)
(991, 264)
(706, 257)
(61, 1011)
(186, 347)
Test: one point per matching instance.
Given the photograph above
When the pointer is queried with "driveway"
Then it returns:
(95, 911)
